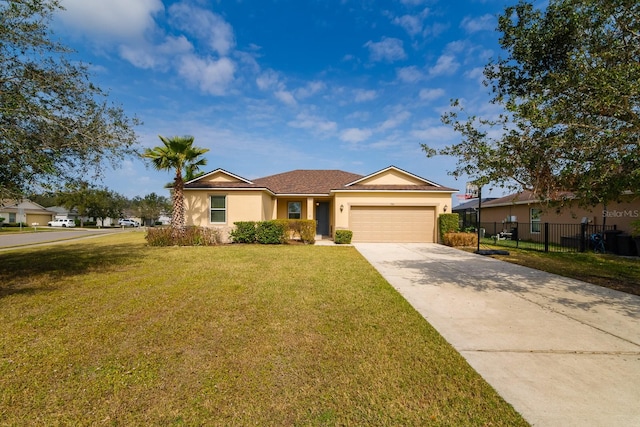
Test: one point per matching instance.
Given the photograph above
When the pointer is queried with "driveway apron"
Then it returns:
(561, 351)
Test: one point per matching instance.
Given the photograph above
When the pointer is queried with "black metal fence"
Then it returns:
(547, 237)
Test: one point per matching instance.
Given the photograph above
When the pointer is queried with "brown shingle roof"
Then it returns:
(307, 181)
(312, 181)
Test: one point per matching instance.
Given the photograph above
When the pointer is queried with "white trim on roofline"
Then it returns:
(396, 169)
(374, 190)
(232, 189)
(224, 172)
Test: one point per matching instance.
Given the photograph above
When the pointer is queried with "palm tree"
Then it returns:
(179, 154)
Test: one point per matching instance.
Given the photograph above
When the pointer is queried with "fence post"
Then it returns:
(583, 237)
(546, 237)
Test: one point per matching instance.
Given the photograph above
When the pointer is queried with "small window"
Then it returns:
(535, 220)
(12, 217)
(219, 209)
(295, 210)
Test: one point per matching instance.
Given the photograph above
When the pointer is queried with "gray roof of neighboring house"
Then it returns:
(471, 204)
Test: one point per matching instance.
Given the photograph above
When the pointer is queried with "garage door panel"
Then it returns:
(392, 223)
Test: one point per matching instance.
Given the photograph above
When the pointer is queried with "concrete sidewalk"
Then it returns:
(561, 351)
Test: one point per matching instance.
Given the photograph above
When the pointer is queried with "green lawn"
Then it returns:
(110, 332)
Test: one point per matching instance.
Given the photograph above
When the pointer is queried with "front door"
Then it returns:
(322, 218)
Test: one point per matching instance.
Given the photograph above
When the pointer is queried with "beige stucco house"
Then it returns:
(24, 211)
(526, 209)
(390, 205)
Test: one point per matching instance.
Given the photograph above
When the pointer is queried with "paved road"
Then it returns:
(561, 351)
(8, 240)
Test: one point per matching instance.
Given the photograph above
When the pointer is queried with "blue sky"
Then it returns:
(275, 85)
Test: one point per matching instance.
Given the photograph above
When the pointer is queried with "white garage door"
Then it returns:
(410, 224)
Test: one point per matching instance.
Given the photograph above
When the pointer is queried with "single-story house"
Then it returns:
(468, 211)
(64, 213)
(390, 205)
(24, 211)
(528, 211)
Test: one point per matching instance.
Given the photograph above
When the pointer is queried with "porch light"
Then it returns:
(341, 208)
(445, 208)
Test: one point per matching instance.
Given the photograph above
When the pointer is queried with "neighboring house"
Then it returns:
(391, 205)
(530, 213)
(468, 211)
(63, 213)
(24, 211)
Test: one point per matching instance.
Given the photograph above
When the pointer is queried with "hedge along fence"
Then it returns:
(275, 231)
(448, 223)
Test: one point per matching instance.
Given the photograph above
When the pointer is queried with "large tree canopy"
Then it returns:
(55, 125)
(569, 86)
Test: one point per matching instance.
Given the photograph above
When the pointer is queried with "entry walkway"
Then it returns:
(561, 351)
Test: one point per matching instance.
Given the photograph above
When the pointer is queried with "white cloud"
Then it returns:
(434, 134)
(305, 121)
(482, 23)
(310, 89)
(355, 135)
(388, 49)
(413, 2)
(362, 95)
(285, 96)
(431, 94)
(394, 121)
(410, 74)
(446, 65)
(114, 19)
(412, 24)
(205, 25)
(211, 75)
(269, 80)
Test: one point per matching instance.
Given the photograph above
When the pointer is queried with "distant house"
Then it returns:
(468, 211)
(25, 211)
(63, 213)
(526, 209)
(390, 205)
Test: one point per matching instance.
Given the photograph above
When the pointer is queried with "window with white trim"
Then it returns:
(535, 220)
(294, 210)
(218, 209)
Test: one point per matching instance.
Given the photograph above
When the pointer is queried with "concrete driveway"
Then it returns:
(561, 351)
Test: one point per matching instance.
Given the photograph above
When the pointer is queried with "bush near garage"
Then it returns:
(448, 223)
(343, 237)
(460, 239)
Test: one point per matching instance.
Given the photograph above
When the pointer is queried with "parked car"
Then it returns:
(62, 223)
(128, 223)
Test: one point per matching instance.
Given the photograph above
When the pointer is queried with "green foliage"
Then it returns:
(343, 237)
(179, 154)
(448, 223)
(150, 207)
(192, 236)
(457, 239)
(57, 126)
(271, 232)
(569, 86)
(245, 232)
(635, 228)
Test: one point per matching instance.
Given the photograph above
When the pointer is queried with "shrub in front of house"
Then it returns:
(448, 223)
(192, 236)
(303, 229)
(458, 239)
(271, 232)
(245, 232)
(343, 237)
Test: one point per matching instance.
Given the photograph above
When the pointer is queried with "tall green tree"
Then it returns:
(569, 87)
(177, 154)
(150, 207)
(55, 125)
